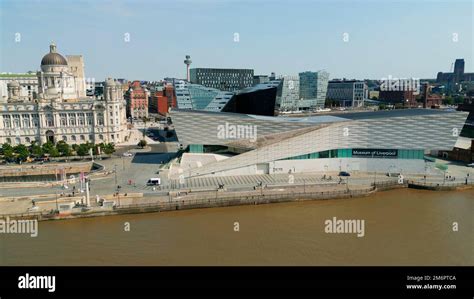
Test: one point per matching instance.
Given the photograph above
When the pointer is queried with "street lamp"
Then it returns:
(115, 171)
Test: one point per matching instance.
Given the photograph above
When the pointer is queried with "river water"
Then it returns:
(402, 227)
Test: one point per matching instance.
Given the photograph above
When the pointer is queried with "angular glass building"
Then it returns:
(259, 100)
(198, 97)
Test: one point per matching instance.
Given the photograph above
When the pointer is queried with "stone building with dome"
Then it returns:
(59, 110)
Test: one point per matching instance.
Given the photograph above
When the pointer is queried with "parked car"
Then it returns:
(127, 154)
(470, 165)
(344, 173)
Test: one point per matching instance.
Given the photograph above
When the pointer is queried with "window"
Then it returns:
(35, 118)
(100, 119)
(82, 137)
(27, 139)
(26, 120)
(101, 137)
(16, 120)
(90, 118)
(49, 121)
(73, 137)
(9, 141)
(64, 138)
(63, 119)
(7, 121)
(81, 119)
(72, 119)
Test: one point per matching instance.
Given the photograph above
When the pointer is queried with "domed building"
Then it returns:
(60, 110)
(55, 80)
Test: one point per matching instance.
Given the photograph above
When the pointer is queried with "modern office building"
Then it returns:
(307, 91)
(383, 141)
(288, 95)
(259, 100)
(349, 93)
(222, 79)
(313, 89)
(259, 79)
(198, 97)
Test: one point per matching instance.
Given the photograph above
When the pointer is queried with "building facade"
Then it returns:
(259, 100)
(58, 113)
(222, 79)
(398, 97)
(453, 79)
(313, 89)
(349, 93)
(137, 101)
(353, 142)
(199, 97)
(28, 85)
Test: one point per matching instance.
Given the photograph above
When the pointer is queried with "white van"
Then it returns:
(153, 182)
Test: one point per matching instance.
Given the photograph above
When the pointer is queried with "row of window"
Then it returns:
(74, 138)
(347, 153)
(65, 119)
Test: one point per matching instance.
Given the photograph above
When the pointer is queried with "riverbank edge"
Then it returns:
(247, 200)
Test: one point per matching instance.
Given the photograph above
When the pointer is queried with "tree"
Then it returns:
(83, 150)
(142, 143)
(22, 152)
(36, 150)
(50, 149)
(108, 148)
(64, 148)
(8, 153)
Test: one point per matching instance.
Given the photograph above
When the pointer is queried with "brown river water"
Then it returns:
(402, 227)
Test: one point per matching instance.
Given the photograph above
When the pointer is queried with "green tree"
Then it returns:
(36, 150)
(7, 151)
(83, 149)
(142, 143)
(108, 148)
(448, 101)
(64, 148)
(50, 149)
(22, 152)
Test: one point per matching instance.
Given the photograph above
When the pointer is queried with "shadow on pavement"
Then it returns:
(152, 158)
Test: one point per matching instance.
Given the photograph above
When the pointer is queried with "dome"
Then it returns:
(13, 83)
(53, 58)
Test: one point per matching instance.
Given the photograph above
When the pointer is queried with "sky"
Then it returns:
(148, 40)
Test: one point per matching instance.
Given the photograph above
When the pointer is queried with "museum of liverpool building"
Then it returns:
(396, 141)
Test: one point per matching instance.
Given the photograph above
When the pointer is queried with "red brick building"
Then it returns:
(431, 100)
(404, 98)
(137, 101)
(162, 99)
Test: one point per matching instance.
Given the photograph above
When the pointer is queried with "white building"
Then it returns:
(58, 112)
(28, 84)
